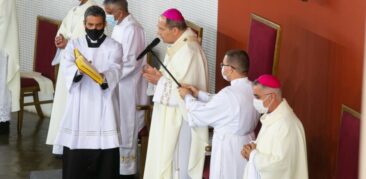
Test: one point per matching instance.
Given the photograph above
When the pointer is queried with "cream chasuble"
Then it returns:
(175, 150)
(281, 147)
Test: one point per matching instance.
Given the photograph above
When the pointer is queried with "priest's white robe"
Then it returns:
(9, 44)
(91, 118)
(132, 90)
(232, 115)
(281, 146)
(175, 150)
(72, 27)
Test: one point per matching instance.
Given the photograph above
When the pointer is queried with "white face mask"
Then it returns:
(110, 20)
(224, 76)
(259, 105)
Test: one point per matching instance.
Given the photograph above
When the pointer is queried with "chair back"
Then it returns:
(44, 47)
(264, 37)
(263, 46)
(349, 144)
(197, 29)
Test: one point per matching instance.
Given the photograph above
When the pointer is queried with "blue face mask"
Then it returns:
(110, 20)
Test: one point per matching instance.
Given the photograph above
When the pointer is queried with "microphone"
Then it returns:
(149, 48)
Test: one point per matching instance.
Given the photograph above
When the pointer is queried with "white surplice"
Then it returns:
(233, 117)
(175, 150)
(91, 119)
(132, 90)
(9, 44)
(72, 27)
(281, 146)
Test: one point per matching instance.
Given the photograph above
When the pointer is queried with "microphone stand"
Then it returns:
(161, 63)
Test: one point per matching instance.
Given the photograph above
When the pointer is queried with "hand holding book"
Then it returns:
(87, 68)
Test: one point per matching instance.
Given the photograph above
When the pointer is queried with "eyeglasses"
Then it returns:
(222, 65)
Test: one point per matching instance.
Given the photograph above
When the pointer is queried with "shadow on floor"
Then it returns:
(21, 154)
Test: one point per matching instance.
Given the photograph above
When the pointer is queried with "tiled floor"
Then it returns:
(21, 154)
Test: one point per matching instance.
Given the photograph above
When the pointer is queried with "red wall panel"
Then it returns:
(320, 63)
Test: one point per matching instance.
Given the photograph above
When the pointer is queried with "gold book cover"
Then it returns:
(86, 67)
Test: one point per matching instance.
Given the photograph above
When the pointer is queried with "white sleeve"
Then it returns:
(132, 44)
(150, 89)
(113, 73)
(213, 113)
(69, 67)
(65, 25)
(251, 171)
(280, 155)
(204, 96)
(165, 92)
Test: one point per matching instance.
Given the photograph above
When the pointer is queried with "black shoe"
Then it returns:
(4, 127)
(127, 176)
(57, 156)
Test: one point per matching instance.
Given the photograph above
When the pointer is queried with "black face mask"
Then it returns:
(94, 34)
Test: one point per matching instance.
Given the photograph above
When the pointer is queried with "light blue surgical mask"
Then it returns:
(110, 20)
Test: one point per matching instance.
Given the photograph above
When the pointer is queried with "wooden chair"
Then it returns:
(263, 48)
(144, 133)
(349, 144)
(197, 29)
(44, 51)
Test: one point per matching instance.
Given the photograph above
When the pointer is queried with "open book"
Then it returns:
(86, 67)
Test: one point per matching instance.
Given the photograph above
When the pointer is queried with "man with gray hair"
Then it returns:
(230, 112)
(132, 86)
(280, 148)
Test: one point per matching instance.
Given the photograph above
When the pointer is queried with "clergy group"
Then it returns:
(95, 125)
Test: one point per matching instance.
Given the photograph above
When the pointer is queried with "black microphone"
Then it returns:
(149, 48)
